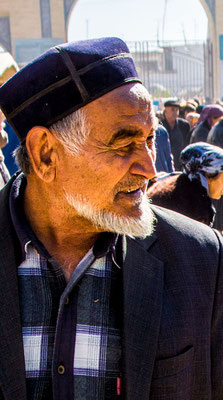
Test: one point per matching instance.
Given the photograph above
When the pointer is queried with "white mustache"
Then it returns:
(132, 184)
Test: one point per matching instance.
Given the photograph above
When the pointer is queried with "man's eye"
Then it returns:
(125, 149)
(150, 140)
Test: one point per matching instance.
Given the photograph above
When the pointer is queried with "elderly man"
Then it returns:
(94, 305)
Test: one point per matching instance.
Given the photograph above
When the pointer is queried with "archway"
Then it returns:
(211, 17)
(68, 9)
(208, 6)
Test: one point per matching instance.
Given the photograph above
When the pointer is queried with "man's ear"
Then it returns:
(42, 150)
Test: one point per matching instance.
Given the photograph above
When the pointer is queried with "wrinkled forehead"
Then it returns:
(134, 94)
(132, 98)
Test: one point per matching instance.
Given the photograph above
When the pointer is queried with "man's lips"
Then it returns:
(132, 193)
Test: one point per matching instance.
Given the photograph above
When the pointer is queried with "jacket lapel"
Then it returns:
(12, 371)
(143, 287)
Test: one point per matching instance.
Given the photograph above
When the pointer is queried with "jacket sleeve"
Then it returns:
(169, 156)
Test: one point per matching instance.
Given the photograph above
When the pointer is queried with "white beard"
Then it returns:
(111, 222)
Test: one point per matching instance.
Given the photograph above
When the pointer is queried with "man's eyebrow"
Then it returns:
(123, 134)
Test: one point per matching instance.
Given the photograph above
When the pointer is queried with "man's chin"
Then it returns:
(137, 222)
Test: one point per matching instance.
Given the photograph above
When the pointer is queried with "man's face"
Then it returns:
(215, 186)
(171, 113)
(110, 174)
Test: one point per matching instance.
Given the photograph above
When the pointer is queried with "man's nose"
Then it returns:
(144, 163)
(176, 112)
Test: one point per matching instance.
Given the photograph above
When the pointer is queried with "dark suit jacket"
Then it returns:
(183, 126)
(172, 323)
(179, 138)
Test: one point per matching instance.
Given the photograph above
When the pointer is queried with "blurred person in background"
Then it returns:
(191, 192)
(204, 162)
(215, 137)
(177, 128)
(4, 173)
(188, 107)
(192, 118)
(197, 101)
(176, 192)
(209, 116)
(164, 158)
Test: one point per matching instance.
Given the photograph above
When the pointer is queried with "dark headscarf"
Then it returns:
(199, 158)
(209, 112)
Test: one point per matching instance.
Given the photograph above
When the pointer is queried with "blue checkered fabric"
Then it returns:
(94, 329)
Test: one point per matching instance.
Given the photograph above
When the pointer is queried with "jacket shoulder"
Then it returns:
(183, 123)
(185, 246)
(174, 228)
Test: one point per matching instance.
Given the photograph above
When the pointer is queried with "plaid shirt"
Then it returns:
(71, 331)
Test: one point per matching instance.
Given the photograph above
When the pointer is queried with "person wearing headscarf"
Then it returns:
(211, 175)
(204, 162)
(209, 116)
(215, 135)
(191, 191)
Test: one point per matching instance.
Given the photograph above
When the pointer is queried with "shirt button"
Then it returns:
(67, 300)
(61, 369)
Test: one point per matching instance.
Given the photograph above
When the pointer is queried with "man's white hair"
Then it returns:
(72, 131)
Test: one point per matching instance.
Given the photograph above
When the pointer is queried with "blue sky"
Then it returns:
(138, 19)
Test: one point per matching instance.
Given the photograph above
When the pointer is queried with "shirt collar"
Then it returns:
(105, 243)
(21, 225)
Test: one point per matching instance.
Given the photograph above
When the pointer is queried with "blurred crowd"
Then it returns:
(191, 131)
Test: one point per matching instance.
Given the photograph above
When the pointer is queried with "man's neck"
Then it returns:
(69, 253)
(66, 239)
